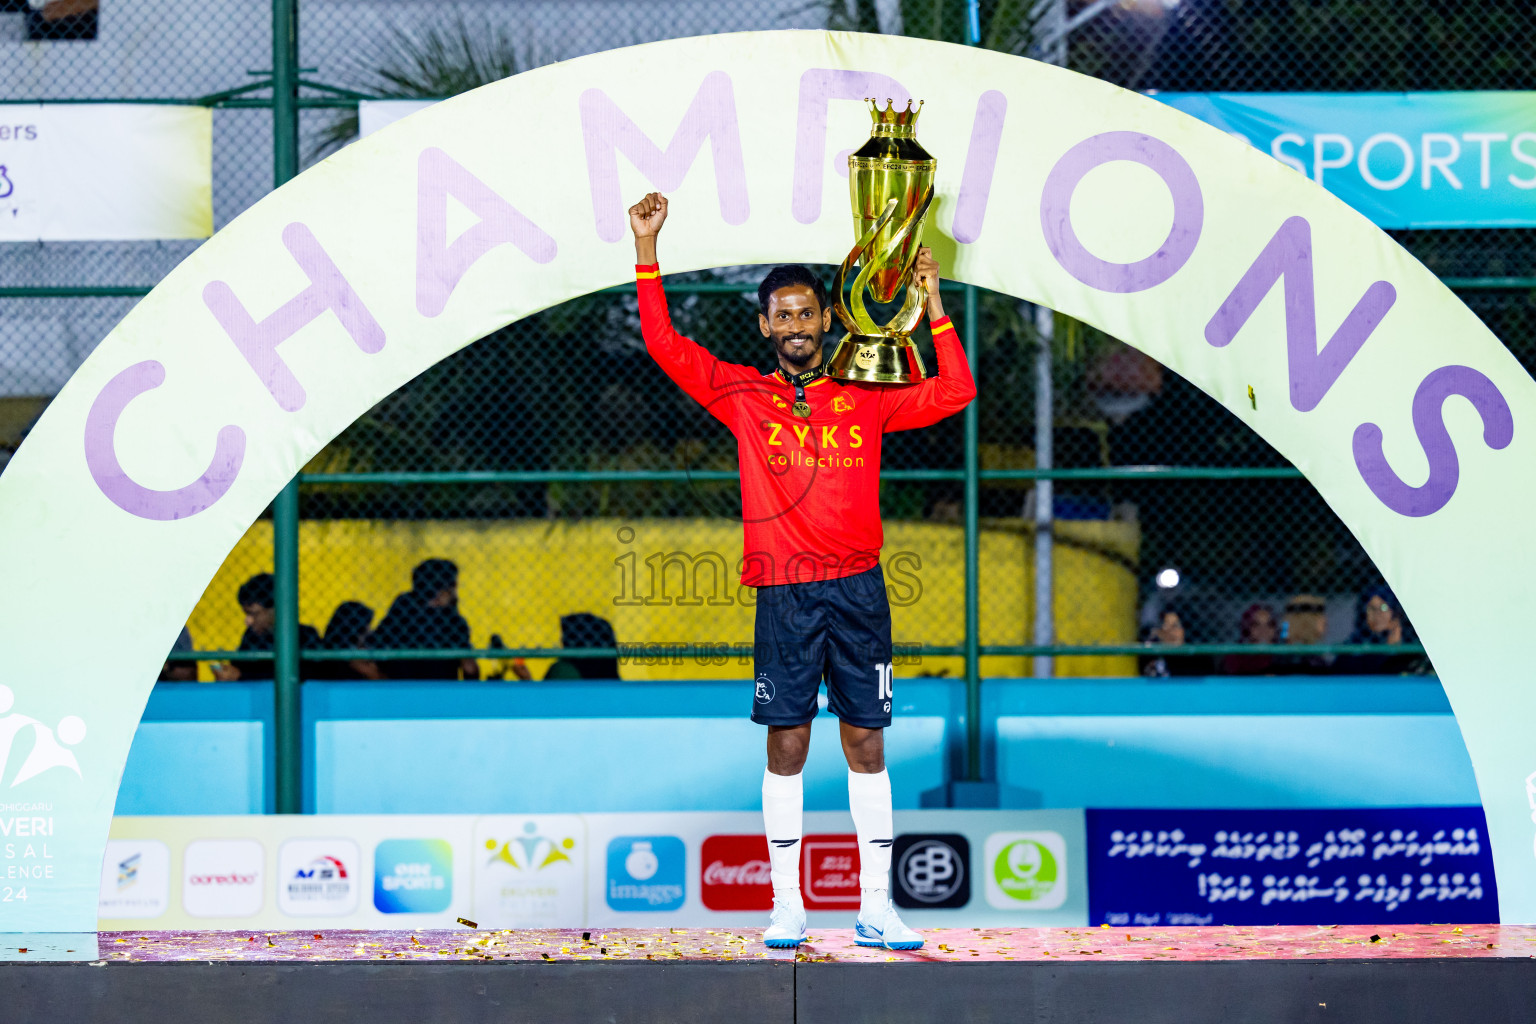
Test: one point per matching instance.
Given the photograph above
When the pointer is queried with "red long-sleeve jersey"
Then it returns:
(810, 488)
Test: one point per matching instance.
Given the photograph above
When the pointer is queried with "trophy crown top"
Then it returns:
(890, 115)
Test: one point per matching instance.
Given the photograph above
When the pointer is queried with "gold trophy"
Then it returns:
(890, 180)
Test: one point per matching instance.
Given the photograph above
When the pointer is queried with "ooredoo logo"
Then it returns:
(734, 873)
(222, 877)
(829, 872)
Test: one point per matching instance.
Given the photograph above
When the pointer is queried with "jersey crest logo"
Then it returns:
(780, 402)
(764, 692)
(842, 404)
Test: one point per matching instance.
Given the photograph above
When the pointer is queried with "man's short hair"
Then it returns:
(788, 276)
(434, 576)
(257, 590)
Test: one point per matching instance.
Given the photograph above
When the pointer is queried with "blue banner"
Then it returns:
(1414, 865)
(1405, 160)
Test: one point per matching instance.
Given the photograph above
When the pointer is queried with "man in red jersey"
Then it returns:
(809, 447)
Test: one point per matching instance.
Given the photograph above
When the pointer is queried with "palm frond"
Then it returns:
(443, 58)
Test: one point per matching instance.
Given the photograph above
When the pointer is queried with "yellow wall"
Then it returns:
(516, 577)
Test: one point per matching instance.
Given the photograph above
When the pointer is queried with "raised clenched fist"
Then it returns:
(648, 215)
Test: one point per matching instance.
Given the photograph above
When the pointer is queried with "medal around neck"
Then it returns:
(890, 182)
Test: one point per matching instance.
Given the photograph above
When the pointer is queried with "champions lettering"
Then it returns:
(440, 267)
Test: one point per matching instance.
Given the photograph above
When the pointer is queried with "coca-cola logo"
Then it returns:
(222, 880)
(735, 873)
(751, 873)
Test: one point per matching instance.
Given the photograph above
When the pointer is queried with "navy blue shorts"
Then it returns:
(837, 629)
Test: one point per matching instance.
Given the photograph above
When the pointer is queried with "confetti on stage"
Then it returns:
(948, 945)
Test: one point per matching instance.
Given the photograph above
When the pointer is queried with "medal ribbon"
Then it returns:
(800, 380)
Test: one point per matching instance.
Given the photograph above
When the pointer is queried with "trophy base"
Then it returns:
(876, 359)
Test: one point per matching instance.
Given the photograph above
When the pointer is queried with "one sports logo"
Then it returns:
(764, 689)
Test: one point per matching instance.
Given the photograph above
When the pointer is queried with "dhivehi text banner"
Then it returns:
(1405, 160)
(95, 171)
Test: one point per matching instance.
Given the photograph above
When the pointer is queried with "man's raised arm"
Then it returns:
(688, 363)
(951, 388)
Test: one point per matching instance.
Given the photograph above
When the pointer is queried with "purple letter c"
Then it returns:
(113, 480)
(1056, 212)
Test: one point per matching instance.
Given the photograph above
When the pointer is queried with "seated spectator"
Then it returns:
(585, 630)
(1379, 620)
(348, 630)
(1169, 632)
(179, 671)
(426, 617)
(256, 600)
(1257, 626)
(1305, 622)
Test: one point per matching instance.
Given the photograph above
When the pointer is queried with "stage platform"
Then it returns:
(1362, 975)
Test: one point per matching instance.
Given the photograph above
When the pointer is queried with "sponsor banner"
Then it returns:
(646, 873)
(931, 871)
(1027, 870)
(686, 869)
(829, 872)
(1405, 160)
(136, 878)
(412, 876)
(223, 878)
(83, 171)
(530, 871)
(318, 877)
(735, 873)
(1408, 865)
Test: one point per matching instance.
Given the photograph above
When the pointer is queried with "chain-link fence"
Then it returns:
(563, 474)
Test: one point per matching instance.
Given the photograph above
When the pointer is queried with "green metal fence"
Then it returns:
(1086, 493)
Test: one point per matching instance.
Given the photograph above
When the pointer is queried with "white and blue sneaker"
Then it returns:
(879, 926)
(786, 928)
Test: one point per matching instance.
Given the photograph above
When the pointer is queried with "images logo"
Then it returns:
(1026, 870)
(646, 873)
(222, 877)
(735, 873)
(135, 879)
(930, 871)
(318, 877)
(829, 872)
(413, 876)
(48, 745)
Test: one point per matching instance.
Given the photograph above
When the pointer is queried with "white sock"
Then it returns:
(783, 803)
(869, 798)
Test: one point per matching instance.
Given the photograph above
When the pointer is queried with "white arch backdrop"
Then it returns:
(1412, 419)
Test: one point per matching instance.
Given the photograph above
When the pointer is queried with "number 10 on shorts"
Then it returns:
(885, 682)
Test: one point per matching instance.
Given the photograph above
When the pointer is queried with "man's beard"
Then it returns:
(799, 358)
